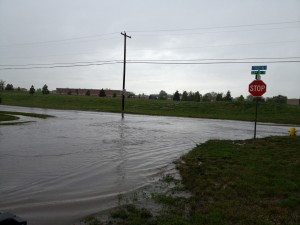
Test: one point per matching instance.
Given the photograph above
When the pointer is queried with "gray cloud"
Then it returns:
(34, 32)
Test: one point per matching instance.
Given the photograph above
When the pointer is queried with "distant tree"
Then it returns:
(269, 100)
(2, 85)
(249, 98)
(152, 97)
(114, 95)
(228, 96)
(102, 93)
(162, 95)
(184, 96)
(219, 97)
(88, 93)
(280, 99)
(176, 96)
(213, 96)
(70, 93)
(197, 96)
(130, 95)
(260, 99)
(240, 99)
(32, 90)
(209, 97)
(206, 97)
(191, 96)
(45, 90)
(9, 87)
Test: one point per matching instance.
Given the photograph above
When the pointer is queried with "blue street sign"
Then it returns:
(259, 67)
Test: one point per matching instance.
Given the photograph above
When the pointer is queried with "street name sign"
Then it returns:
(257, 88)
(258, 72)
(259, 67)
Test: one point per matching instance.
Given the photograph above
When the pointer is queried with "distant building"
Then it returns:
(293, 101)
(93, 92)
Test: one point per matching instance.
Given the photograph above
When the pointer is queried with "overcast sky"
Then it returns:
(48, 33)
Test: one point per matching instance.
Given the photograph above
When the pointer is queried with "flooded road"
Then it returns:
(58, 170)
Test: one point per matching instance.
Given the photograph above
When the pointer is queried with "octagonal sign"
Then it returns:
(257, 88)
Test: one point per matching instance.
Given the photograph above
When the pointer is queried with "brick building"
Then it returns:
(293, 101)
(93, 92)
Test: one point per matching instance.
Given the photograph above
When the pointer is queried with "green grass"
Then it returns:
(231, 183)
(267, 112)
(10, 118)
(244, 182)
(36, 115)
(5, 117)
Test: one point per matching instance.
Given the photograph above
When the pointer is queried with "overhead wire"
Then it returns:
(226, 45)
(157, 49)
(149, 31)
(152, 60)
(58, 40)
(168, 61)
(210, 28)
(158, 62)
(223, 31)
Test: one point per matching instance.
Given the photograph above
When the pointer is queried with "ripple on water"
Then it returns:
(77, 163)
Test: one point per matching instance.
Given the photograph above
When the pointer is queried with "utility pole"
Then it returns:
(124, 71)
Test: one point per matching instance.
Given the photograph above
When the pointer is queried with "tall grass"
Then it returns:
(267, 112)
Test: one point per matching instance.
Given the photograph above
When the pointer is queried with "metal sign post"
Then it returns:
(257, 88)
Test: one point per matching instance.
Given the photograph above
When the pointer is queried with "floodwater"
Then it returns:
(58, 170)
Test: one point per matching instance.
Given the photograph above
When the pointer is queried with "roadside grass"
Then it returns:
(11, 118)
(244, 182)
(35, 115)
(267, 112)
(5, 117)
(230, 182)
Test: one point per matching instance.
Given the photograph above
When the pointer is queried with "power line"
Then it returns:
(175, 48)
(58, 40)
(62, 63)
(218, 59)
(148, 62)
(226, 45)
(206, 63)
(224, 31)
(217, 27)
(58, 66)
(145, 31)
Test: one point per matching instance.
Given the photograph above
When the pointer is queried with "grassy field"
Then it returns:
(7, 117)
(278, 113)
(244, 182)
(11, 118)
(231, 183)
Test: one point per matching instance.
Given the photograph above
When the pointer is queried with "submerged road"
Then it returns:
(57, 170)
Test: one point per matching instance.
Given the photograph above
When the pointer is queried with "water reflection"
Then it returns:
(57, 170)
(122, 154)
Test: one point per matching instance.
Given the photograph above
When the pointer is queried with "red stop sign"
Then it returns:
(257, 88)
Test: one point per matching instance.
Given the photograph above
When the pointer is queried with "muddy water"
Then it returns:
(57, 170)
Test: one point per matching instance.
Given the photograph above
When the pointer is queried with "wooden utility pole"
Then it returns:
(124, 71)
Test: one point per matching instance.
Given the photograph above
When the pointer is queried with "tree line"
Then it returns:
(163, 95)
(197, 97)
(10, 87)
(215, 97)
